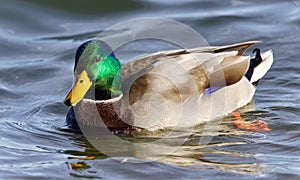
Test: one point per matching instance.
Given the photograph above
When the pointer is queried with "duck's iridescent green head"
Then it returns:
(95, 67)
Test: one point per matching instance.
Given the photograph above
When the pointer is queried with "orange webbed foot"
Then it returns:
(257, 125)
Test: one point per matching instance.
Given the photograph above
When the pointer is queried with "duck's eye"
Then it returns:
(81, 81)
(97, 59)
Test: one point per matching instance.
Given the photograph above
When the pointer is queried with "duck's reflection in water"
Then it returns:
(228, 149)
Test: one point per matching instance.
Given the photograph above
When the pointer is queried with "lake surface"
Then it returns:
(38, 40)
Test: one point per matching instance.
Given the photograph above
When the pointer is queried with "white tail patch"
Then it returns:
(263, 67)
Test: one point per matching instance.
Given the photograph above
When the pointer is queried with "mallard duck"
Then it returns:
(173, 88)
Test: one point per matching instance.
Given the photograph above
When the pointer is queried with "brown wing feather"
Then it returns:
(240, 47)
(231, 70)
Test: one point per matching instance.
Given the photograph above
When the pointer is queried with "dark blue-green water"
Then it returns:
(38, 40)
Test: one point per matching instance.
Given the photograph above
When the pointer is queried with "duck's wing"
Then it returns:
(218, 74)
(175, 81)
(181, 72)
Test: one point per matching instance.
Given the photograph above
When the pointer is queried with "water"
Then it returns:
(38, 40)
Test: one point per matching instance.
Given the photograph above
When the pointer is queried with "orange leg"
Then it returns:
(256, 125)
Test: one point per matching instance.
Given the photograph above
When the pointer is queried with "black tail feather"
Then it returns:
(253, 63)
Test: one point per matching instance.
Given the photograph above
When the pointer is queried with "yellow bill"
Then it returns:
(79, 89)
